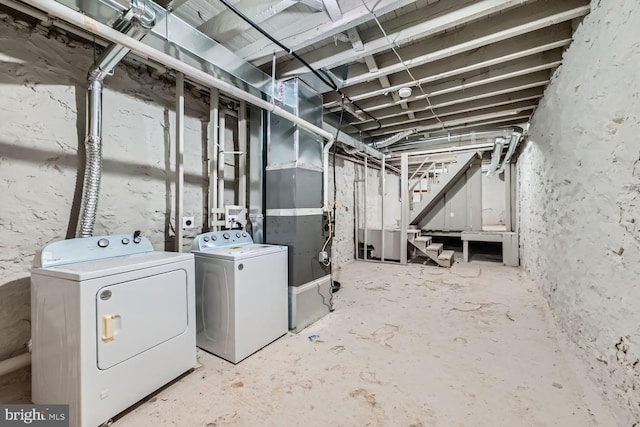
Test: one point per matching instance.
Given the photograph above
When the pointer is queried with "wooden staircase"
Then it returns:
(433, 251)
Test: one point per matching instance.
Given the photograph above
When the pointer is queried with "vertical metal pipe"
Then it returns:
(221, 145)
(213, 164)
(135, 23)
(356, 213)
(382, 232)
(242, 159)
(179, 159)
(507, 191)
(93, 166)
(404, 212)
(364, 203)
(273, 78)
(325, 175)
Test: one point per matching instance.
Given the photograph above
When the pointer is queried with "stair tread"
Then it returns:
(423, 239)
(435, 247)
(446, 255)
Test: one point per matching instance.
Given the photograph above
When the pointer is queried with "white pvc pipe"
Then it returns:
(366, 191)
(242, 158)
(325, 175)
(179, 159)
(213, 163)
(404, 210)
(222, 128)
(58, 10)
(18, 362)
(382, 188)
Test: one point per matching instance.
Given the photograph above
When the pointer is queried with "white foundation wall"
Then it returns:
(494, 199)
(42, 114)
(579, 189)
(347, 173)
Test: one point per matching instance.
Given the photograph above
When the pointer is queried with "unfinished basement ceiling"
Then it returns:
(471, 65)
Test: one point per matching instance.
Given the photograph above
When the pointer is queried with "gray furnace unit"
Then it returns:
(294, 214)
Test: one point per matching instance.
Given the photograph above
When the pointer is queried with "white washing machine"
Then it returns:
(112, 321)
(241, 294)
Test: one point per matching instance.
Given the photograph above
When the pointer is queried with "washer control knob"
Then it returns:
(238, 235)
(214, 238)
(226, 235)
(137, 239)
(205, 238)
(125, 241)
(103, 243)
(244, 234)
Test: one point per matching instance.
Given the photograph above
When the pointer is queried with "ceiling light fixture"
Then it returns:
(404, 92)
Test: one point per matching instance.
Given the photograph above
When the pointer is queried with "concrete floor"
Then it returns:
(406, 346)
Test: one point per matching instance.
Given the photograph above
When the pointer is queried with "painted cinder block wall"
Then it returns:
(579, 186)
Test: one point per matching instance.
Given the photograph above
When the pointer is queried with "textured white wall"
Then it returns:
(343, 250)
(494, 199)
(42, 87)
(346, 174)
(579, 178)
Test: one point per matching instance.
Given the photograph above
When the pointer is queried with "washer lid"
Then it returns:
(242, 251)
(106, 267)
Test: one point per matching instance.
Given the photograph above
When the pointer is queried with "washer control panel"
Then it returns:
(220, 239)
(91, 248)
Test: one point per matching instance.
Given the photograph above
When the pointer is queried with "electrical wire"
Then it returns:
(331, 218)
(329, 238)
(416, 81)
(326, 80)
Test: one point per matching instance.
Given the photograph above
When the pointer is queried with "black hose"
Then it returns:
(322, 78)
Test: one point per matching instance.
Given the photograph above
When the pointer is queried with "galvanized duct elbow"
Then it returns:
(495, 157)
(392, 139)
(136, 22)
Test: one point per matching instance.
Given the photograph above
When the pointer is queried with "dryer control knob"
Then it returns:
(103, 243)
(205, 238)
(244, 234)
(226, 235)
(125, 241)
(238, 235)
(214, 238)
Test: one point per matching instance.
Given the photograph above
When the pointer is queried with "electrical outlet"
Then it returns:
(188, 222)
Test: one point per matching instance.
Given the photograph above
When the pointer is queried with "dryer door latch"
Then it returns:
(109, 327)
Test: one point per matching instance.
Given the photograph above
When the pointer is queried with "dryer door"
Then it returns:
(137, 315)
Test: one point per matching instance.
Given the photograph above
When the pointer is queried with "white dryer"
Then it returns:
(241, 294)
(112, 321)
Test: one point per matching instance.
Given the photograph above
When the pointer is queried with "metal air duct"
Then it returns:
(136, 22)
(392, 139)
(495, 156)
